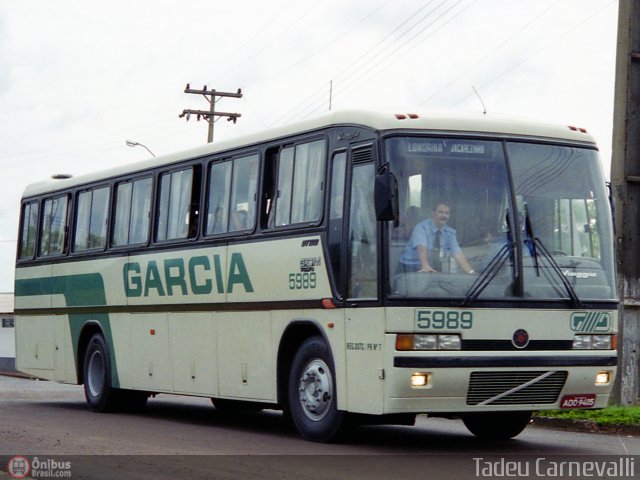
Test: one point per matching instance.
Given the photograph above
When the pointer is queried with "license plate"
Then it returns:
(587, 400)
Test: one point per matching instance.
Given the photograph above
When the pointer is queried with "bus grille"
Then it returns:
(514, 388)
(497, 345)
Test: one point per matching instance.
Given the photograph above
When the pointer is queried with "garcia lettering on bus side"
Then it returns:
(198, 275)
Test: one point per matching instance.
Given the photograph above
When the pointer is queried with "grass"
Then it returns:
(610, 416)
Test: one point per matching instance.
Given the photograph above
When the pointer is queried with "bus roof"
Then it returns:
(377, 120)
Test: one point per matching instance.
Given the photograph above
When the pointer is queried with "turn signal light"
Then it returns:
(408, 342)
(595, 342)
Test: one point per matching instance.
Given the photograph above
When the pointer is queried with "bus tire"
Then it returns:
(496, 425)
(312, 402)
(98, 391)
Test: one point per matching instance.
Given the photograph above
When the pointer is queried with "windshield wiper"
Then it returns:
(535, 245)
(492, 268)
(530, 241)
(488, 274)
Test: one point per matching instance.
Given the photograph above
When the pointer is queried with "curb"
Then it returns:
(585, 426)
(16, 374)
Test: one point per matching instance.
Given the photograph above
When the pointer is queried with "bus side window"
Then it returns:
(53, 226)
(308, 182)
(243, 193)
(178, 204)
(29, 230)
(285, 178)
(218, 198)
(232, 195)
(133, 209)
(269, 189)
(91, 219)
(300, 185)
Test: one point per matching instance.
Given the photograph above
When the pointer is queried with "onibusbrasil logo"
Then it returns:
(19, 467)
(22, 467)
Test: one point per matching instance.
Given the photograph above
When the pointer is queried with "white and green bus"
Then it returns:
(268, 272)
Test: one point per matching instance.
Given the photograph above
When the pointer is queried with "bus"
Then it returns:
(270, 272)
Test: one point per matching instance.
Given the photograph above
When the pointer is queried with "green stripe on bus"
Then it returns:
(83, 290)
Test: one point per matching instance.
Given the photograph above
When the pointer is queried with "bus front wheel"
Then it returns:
(312, 393)
(496, 425)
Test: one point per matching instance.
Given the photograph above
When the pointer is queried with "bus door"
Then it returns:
(356, 275)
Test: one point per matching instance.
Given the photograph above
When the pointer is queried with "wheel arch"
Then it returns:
(89, 329)
(294, 335)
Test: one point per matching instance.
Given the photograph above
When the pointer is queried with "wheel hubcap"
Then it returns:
(96, 374)
(316, 389)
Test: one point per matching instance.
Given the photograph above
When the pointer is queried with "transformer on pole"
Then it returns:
(211, 114)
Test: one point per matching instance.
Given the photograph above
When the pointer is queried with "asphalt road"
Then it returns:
(182, 437)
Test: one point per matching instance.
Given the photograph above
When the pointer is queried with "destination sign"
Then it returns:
(446, 148)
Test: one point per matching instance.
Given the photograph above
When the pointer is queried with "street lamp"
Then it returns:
(131, 143)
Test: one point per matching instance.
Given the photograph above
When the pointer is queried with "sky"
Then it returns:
(78, 78)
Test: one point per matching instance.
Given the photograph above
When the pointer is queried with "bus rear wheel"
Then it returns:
(496, 425)
(312, 393)
(98, 391)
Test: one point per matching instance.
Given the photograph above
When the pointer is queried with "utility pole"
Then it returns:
(625, 180)
(209, 115)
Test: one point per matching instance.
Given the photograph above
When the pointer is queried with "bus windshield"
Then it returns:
(494, 219)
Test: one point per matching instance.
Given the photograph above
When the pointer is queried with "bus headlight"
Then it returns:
(407, 342)
(594, 342)
(603, 378)
(582, 342)
(449, 342)
(420, 379)
(425, 342)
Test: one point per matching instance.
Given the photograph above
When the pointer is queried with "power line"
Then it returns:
(392, 55)
(348, 71)
(321, 49)
(483, 59)
(269, 43)
(265, 27)
(538, 50)
(391, 49)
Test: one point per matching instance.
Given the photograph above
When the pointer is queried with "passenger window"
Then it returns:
(176, 205)
(29, 227)
(133, 207)
(54, 225)
(300, 184)
(308, 182)
(231, 204)
(218, 200)
(91, 220)
(285, 178)
(244, 193)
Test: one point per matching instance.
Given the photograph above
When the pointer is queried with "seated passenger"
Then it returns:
(432, 244)
(239, 220)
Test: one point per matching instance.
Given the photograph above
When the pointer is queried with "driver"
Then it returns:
(431, 242)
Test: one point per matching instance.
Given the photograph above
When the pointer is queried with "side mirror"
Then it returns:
(385, 194)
